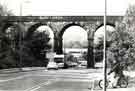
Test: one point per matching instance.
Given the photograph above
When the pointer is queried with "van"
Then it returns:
(59, 59)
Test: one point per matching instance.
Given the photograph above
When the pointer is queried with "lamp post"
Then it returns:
(21, 7)
(21, 33)
(20, 39)
(22, 2)
(104, 50)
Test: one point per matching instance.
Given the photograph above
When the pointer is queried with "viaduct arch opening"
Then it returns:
(75, 37)
(11, 33)
(99, 38)
(42, 28)
(61, 33)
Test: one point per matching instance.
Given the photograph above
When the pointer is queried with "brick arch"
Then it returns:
(6, 26)
(18, 28)
(60, 35)
(14, 40)
(69, 25)
(96, 30)
(33, 28)
(101, 25)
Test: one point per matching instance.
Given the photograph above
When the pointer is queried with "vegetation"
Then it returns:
(123, 46)
(4, 11)
(5, 54)
(35, 48)
(29, 51)
(17, 50)
(120, 43)
(98, 47)
(70, 60)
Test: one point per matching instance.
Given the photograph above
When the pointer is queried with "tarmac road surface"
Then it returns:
(53, 80)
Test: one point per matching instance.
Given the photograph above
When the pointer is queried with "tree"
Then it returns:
(6, 58)
(124, 40)
(98, 47)
(84, 55)
(4, 11)
(34, 49)
(31, 49)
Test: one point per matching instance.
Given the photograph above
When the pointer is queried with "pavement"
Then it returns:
(122, 89)
(15, 70)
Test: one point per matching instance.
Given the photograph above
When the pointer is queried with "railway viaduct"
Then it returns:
(59, 24)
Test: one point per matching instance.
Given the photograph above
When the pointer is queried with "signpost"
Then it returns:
(50, 55)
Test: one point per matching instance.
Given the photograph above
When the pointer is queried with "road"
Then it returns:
(51, 80)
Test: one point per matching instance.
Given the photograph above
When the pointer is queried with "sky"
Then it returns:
(67, 7)
(74, 33)
(100, 33)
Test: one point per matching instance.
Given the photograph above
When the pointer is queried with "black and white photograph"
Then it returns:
(67, 45)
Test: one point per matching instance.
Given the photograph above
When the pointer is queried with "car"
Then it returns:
(83, 63)
(71, 64)
(74, 64)
(60, 65)
(52, 65)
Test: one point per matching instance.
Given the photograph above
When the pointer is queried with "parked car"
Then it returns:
(83, 63)
(60, 65)
(52, 65)
(72, 64)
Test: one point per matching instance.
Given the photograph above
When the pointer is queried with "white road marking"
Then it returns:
(34, 88)
(11, 90)
(71, 76)
(14, 78)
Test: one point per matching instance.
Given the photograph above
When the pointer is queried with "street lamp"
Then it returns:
(104, 50)
(20, 34)
(21, 6)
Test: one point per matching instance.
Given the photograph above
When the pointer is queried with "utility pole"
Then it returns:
(22, 4)
(20, 39)
(21, 32)
(104, 50)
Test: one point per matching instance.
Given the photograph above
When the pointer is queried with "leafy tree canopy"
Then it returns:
(123, 44)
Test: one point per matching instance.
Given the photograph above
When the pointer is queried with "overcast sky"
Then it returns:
(74, 33)
(67, 7)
